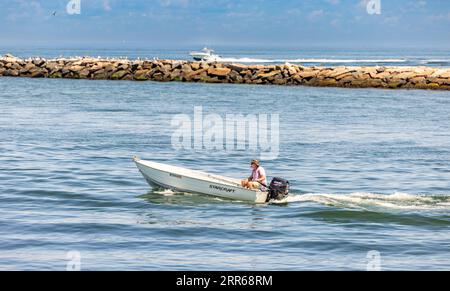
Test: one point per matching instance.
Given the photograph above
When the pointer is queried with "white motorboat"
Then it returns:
(205, 54)
(186, 180)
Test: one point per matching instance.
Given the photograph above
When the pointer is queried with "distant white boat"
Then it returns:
(186, 180)
(205, 54)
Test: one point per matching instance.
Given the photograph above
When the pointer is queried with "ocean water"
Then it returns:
(307, 56)
(369, 171)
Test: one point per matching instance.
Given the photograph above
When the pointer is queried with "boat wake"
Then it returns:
(443, 62)
(397, 201)
(313, 60)
(165, 192)
(371, 201)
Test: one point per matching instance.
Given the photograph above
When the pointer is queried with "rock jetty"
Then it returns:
(419, 77)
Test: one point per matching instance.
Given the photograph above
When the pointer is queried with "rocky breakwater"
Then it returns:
(185, 71)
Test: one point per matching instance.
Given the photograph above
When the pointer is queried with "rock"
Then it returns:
(141, 75)
(439, 73)
(375, 83)
(128, 77)
(158, 77)
(237, 67)
(99, 75)
(214, 72)
(369, 70)
(210, 80)
(395, 84)
(75, 68)
(38, 72)
(256, 81)
(83, 74)
(220, 72)
(422, 72)
(445, 74)
(186, 68)
(27, 68)
(358, 83)
(280, 81)
(110, 68)
(327, 82)
(38, 62)
(405, 75)
(269, 74)
(418, 80)
(136, 66)
(52, 66)
(381, 75)
(204, 65)
(432, 86)
(344, 75)
(338, 71)
(308, 74)
(236, 77)
(347, 78)
(176, 73)
(147, 65)
(256, 67)
(96, 67)
(11, 72)
(440, 81)
(195, 66)
(9, 58)
(119, 74)
(291, 69)
(126, 67)
(447, 81)
(55, 74)
(298, 79)
(192, 74)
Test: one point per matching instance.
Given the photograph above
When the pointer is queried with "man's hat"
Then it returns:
(256, 162)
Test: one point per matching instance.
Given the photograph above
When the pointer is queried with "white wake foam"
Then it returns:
(363, 200)
(313, 60)
(435, 61)
(165, 192)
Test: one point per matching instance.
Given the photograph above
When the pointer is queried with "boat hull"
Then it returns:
(184, 180)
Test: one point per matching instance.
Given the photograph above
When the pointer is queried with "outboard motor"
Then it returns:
(278, 189)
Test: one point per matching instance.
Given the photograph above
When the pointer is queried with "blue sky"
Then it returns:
(159, 23)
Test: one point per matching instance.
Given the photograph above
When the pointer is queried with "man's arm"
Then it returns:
(262, 176)
(261, 179)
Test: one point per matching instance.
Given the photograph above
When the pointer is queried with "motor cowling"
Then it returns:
(278, 189)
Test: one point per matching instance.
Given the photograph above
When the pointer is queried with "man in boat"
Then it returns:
(258, 178)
